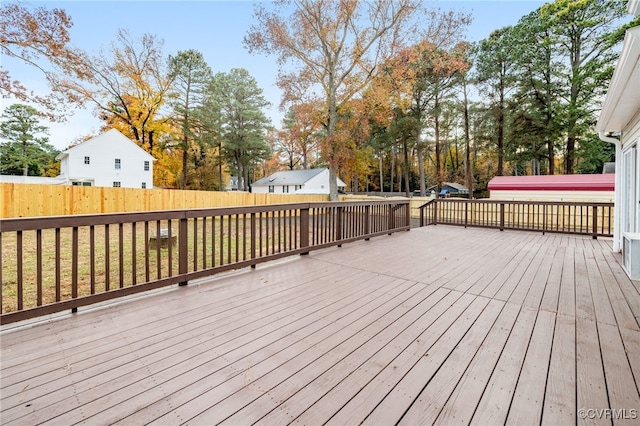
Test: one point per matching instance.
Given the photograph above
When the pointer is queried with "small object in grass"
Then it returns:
(164, 239)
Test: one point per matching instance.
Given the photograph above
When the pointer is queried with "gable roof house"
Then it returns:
(312, 181)
(109, 159)
(449, 188)
(620, 118)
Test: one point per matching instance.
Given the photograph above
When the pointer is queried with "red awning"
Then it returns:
(601, 182)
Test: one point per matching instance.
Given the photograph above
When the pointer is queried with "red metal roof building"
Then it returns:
(598, 187)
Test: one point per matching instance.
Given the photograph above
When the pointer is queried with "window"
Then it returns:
(118, 164)
(87, 160)
(271, 188)
(116, 184)
(81, 183)
(298, 187)
(285, 189)
(146, 166)
(144, 185)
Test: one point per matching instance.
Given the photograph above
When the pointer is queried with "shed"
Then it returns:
(597, 187)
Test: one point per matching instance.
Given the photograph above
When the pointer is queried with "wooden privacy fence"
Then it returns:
(584, 218)
(58, 263)
(27, 200)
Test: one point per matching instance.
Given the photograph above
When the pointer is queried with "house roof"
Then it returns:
(103, 137)
(291, 177)
(600, 182)
(623, 97)
(454, 185)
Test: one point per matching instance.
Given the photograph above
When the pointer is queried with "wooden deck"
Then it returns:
(439, 325)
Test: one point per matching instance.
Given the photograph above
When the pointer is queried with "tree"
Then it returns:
(40, 38)
(537, 113)
(245, 125)
(190, 75)
(337, 44)
(128, 87)
(586, 32)
(24, 150)
(496, 78)
(301, 132)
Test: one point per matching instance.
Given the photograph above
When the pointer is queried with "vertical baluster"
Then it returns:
(121, 254)
(92, 259)
(39, 267)
(134, 249)
(74, 266)
(147, 266)
(20, 276)
(107, 258)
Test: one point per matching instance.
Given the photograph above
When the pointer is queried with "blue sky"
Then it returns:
(215, 28)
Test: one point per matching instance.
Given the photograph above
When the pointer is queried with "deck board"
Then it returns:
(439, 325)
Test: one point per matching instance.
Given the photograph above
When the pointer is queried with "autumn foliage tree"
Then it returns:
(40, 38)
(127, 85)
(337, 46)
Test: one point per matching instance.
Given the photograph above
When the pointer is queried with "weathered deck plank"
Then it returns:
(438, 325)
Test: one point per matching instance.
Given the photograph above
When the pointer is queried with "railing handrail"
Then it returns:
(207, 241)
(518, 202)
(571, 217)
(65, 221)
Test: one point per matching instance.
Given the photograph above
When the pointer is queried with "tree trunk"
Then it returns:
(25, 164)
(381, 175)
(406, 168)
(438, 162)
(468, 166)
(569, 159)
(393, 167)
(333, 184)
(185, 160)
(423, 187)
(501, 135)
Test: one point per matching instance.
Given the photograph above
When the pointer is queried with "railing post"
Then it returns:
(367, 221)
(339, 224)
(595, 222)
(435, 211)
(408, 214)
(466, 213)
(304, 229)
(421, 216)
(501, 216)
(253, 233)
(182, 248)
(390, 220)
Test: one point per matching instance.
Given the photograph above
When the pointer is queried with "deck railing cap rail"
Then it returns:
(68, 221)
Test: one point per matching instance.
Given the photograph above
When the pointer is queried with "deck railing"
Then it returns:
(595, 219)
(57, 263)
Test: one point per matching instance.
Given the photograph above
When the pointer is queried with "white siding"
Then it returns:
(103, 151)
(571, 196)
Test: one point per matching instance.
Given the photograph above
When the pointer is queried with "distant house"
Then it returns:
(449, 188)
(110, 159)
(313, 181)
(619, 124)
(233, 183)
(588, 188)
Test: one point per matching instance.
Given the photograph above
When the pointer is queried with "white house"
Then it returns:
(110, 159)
(620, 118)
(313, 181)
